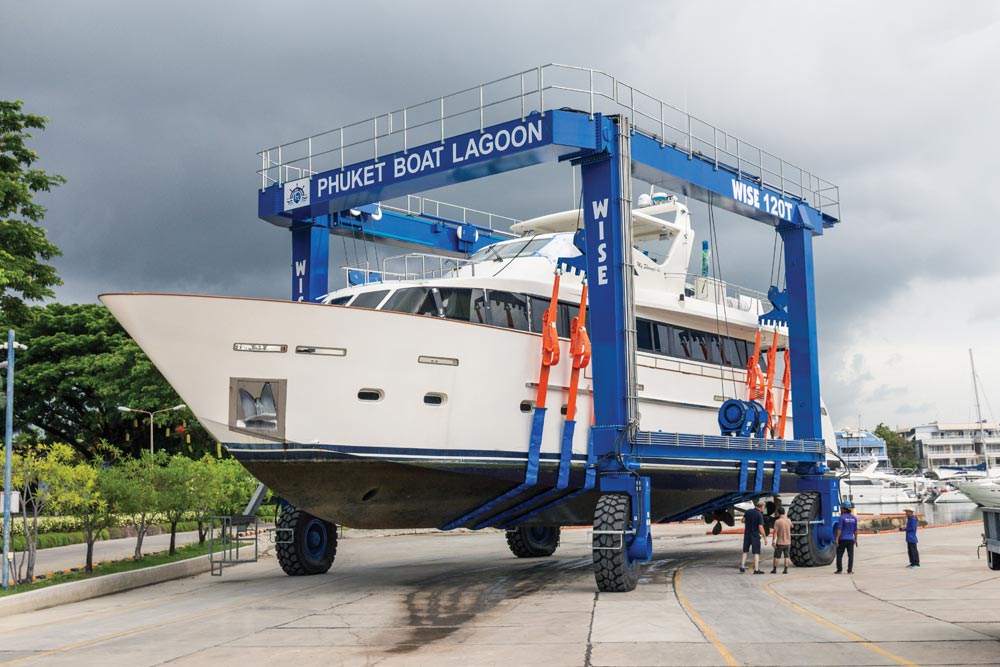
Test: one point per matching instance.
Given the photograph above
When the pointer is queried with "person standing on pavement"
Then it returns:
(911, 538)
(847, 537)
(781, 540)
(753, 531)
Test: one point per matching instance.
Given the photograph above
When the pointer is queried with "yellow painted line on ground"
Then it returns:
(705, 630)
(152, 626)
(833, 626)
(94, 614)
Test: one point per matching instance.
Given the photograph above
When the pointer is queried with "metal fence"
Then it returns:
(227, 536)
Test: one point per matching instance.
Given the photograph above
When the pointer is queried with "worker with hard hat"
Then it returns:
(847, 537)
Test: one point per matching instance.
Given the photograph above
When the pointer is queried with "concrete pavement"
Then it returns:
(462, 599)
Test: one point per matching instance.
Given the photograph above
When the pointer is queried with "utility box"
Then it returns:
(15, 502)
(991, 536)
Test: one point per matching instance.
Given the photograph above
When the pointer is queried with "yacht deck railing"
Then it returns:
(414, 205)
(411, 266)
(728, 442)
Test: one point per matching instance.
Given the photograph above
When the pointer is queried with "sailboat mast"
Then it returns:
(979, 412)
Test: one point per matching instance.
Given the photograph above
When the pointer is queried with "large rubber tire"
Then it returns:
(806, 550)
(533, 541)
(992, 560)
(614, 571)
(313, 544)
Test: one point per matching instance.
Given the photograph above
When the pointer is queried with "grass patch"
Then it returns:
(113, 567)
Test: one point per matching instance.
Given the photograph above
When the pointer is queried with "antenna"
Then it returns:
(979, 413)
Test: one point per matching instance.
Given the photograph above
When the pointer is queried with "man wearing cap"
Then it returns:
(911, 538)
(847, 537)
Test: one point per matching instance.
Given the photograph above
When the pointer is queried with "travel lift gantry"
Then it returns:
(317, 187)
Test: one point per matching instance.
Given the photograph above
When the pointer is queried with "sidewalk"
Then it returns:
(57, 559)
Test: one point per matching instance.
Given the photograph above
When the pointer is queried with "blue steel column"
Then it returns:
(605, 274)
(310, 262)
(802, 328)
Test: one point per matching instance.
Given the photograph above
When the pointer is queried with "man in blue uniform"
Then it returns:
(847, 537)
(911, 538)
(753, 531)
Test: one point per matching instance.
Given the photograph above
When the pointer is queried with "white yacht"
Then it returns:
(984, 492)
(408, 402)
(950, 494)
(870, 487)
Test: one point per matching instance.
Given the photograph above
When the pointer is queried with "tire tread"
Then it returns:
(523, 547)
(288, 554)
(611, 567)
(804, 553)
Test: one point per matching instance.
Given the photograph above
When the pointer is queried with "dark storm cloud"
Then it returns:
(157, 110)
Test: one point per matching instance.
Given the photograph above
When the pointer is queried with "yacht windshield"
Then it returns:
(508, 249)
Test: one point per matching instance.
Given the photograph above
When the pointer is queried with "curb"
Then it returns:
(77, 591)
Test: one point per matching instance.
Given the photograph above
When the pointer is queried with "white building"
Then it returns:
(955, 444)
(859, 447)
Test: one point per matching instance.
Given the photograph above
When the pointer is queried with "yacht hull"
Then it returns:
(367, 493)
(376, 419)
(985, 493)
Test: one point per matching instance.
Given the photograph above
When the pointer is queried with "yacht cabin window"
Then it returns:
(508, 310)
(369, 299)
(564, 315)
(524, 313)
(509, 249)
(415, 300)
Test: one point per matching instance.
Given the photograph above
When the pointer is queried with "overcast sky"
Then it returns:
(157, 110)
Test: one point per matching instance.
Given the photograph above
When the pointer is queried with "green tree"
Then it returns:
(79, 366)
(24, 246)
(39, 473)
(133, 491)
(89, 496)
(203, 493)
(902, 453)
(219, 487)
(236, 486)
(175, 491)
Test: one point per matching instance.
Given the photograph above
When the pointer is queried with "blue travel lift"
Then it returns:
(609, 151)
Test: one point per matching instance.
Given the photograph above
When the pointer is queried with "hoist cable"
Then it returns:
(717, 260)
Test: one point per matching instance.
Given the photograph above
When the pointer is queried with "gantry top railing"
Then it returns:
(542, 89)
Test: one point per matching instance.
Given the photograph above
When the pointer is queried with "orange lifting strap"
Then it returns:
(579, 349)
(755, 378)
(772, 357)
(786, 397)
(550, 343)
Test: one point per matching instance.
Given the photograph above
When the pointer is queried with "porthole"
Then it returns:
(433, 398)
(368, 496)
(527, 406)
(370, 395)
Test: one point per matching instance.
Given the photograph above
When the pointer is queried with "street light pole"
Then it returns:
(122, 408)
(10, 345)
